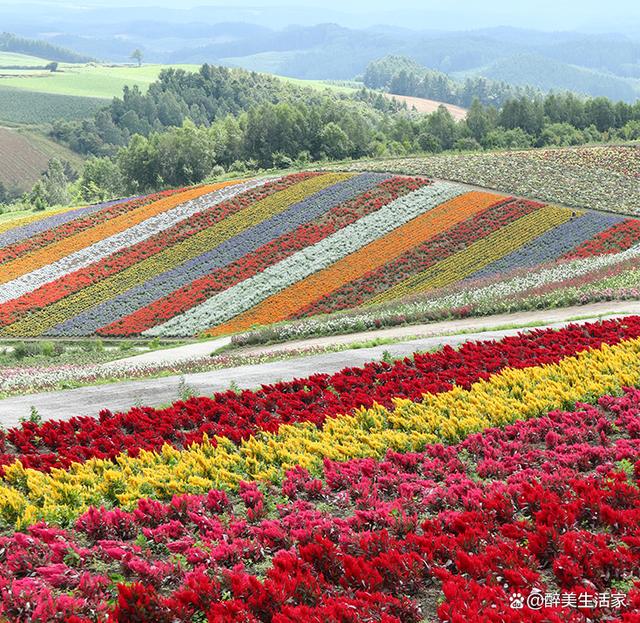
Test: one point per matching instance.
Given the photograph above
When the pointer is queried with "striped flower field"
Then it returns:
(458, 485)
(222, 258)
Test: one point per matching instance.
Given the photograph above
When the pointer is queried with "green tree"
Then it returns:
(478, 121)
(137, 56)
(335, 142)
(52, 188)
(101, 180)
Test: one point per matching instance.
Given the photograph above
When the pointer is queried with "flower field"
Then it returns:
(602, 177)
(497, 482)
(222, 258)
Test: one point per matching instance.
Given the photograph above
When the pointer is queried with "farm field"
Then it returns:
(92, 80)
(434, 488)
(25, 155)
(601, 177)
(221, 258)
(13, 59)
(428, 106)
(23, 107)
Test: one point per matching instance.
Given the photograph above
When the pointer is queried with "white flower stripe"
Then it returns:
(108, 246)
(241, 297)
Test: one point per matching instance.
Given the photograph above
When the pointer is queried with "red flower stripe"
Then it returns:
(450, 534)
(620, 237)
(198, 291)
(49, 236)
(433, 250)
(13, 310)
(321, 396)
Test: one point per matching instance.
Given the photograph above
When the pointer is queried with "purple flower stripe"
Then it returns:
(31, 229)
(103, 314)
(552, 244)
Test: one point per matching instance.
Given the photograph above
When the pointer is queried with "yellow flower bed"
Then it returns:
(40, 321)
(479, 254)
(27, 495)
(61, 248)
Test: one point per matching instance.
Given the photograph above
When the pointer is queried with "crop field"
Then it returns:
(427, 106)
(88, 81)
(25, 155)
(222, 258)
(601, 177)
(18, 106)
(441, 487)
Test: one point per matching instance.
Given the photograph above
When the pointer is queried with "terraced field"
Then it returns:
(222, 258)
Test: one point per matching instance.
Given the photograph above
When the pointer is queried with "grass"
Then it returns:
(91, 80)
(321, 85)
(46, 353)
(12, 59)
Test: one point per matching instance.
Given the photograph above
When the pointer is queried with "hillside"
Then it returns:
(40, 49)
(24, 107)
(24, 157)
(89, 80)
(551, 75)
(221, 258)
(603, 177)
(427, 106)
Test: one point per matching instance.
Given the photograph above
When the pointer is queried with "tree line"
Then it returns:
(187, 129)
(403, 76)
(42, 49)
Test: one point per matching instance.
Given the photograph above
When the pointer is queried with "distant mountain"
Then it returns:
(547, 74)
(254, 38)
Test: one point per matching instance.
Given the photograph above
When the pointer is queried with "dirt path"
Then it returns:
(447, 327)
(119, 396)
(202, 349)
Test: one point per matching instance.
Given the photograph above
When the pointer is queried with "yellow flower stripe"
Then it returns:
(32, 218)
(479, 254)
(27, 495)
(39, 321)
(61, 248)
(283, 304)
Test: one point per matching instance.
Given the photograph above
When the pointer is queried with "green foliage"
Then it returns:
(101, 180)
(403, 76)
(41, 49)
(52, 188)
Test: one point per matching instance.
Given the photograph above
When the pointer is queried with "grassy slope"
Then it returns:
(11, 59)
(95, 81)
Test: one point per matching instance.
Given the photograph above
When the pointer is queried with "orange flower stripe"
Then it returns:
(283, 304)
(57, 250)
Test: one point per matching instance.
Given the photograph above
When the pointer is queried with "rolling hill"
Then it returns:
(24, 157)
(221, 258)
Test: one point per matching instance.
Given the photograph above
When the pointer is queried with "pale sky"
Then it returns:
(550, 15)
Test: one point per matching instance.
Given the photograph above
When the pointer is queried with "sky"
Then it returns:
(550, 15)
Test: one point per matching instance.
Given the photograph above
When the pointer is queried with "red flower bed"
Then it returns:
(450, 534)
(618, 238)
(49, 236)
(70, 283)
(275, 251)
(57, 444)
(422, 257)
